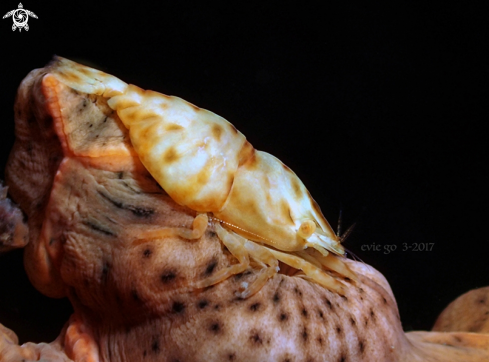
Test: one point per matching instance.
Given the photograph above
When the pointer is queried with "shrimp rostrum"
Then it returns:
(259, 208)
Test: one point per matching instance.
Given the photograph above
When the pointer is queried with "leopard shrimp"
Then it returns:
(260, 209)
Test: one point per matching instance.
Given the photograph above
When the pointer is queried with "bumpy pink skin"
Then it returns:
(133, 298)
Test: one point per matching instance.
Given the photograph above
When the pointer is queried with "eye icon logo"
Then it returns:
(20, 17)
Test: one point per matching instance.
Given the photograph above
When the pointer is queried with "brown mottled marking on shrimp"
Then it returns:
(140, 114)
(217, 131)
(314, 204)
(251, 163)
(296, 187)
(173, 127)
(195, 108)
(85, 71)
(170, 156)
(247, 152)
(204, 175)
(72, 77)
(233, 129)
(285, 210)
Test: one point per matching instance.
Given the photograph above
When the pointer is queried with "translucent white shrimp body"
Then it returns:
(203, 162)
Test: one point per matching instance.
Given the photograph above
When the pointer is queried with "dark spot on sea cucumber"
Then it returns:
(304, 334)
(238, 299)
(361, 346)
(276, 298)
(202, 304)
(372, 314)
(283, 317)
(168, 276)
(321, 314)
(255, 337)
(211, 234)
(338, 329)
(134, 295)
(210, 267)
(231, 356)
(328, 303)
(105, 272)
(352, 321)
(254, 307)
(147, 252)
(215, 327)
(178, 307)
(155, 346)
(320, 340)
(304, 312)
(342, 359)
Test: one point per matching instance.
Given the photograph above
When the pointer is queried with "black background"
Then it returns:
(380, 110)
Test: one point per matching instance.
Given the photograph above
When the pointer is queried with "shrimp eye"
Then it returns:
(306, 229)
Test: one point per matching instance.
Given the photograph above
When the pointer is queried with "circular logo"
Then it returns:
(20, 17)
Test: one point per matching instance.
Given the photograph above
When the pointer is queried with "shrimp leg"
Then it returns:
(235, 245)
(311, 271)
(242, 249)
(199, 226)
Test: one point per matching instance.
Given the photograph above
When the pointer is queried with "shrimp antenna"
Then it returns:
(353, 255)
(343, 236)
(347, 233)
(340, 217)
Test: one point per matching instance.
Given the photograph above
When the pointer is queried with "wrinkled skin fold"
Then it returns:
(87, 206)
